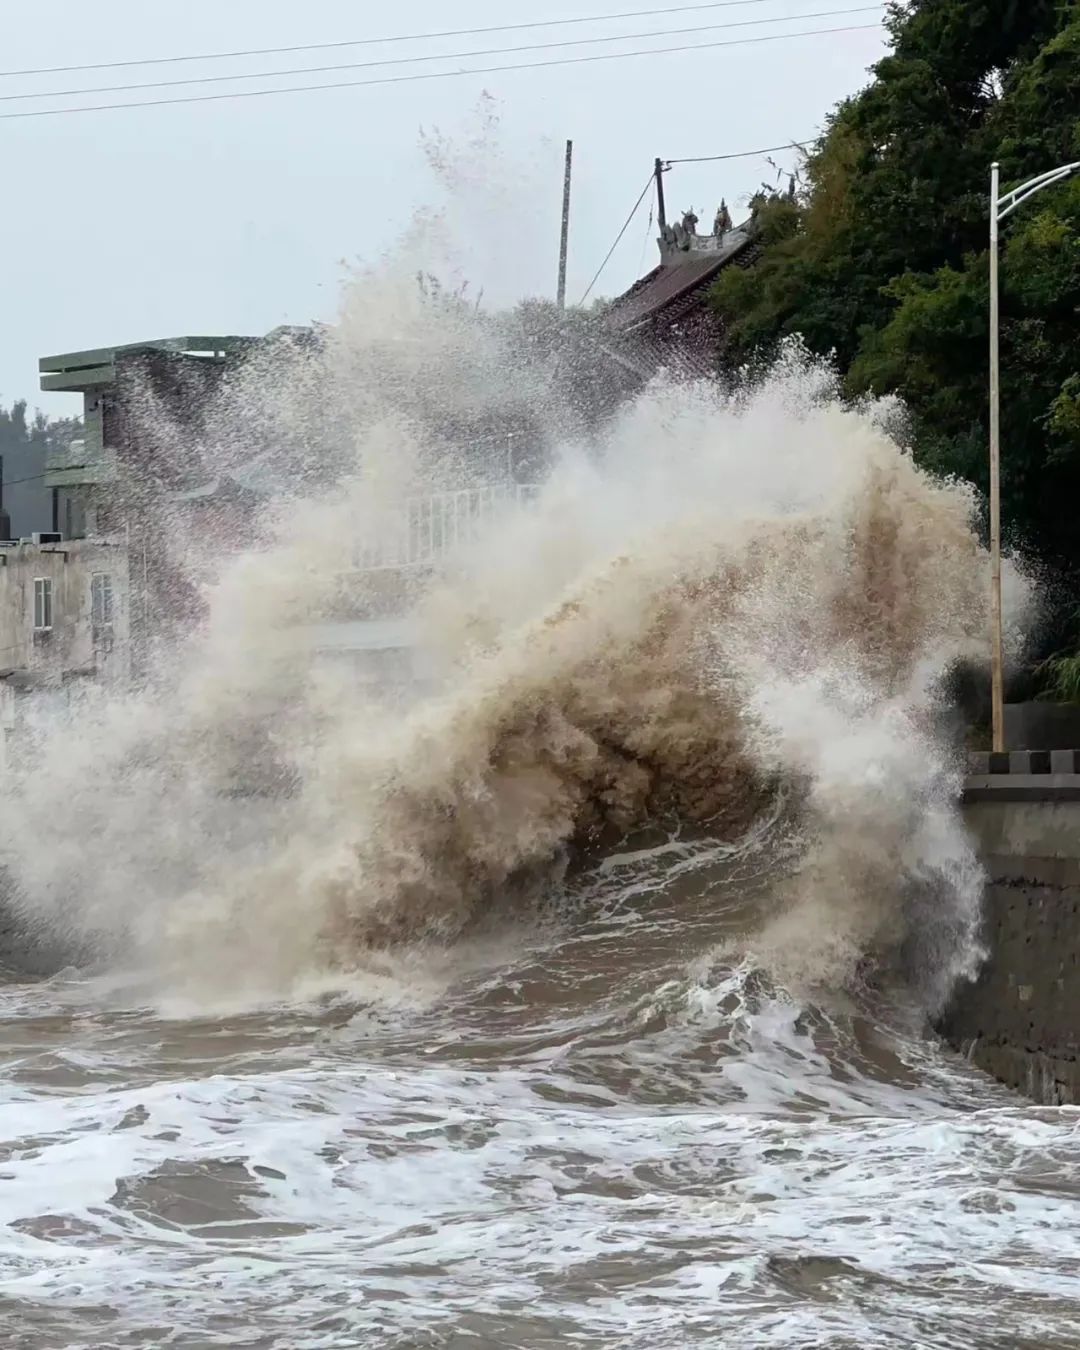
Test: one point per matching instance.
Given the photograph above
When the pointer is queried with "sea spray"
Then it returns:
(714, 596)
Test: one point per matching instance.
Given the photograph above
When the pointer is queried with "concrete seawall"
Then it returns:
(1020, 1021)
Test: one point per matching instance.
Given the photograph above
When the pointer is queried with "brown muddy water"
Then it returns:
(603, 1128)
(330, 1074)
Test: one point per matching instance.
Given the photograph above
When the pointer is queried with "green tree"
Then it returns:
(882, 262)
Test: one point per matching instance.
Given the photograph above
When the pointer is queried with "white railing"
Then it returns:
(424, 530)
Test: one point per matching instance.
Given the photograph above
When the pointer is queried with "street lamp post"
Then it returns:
(1000, 208)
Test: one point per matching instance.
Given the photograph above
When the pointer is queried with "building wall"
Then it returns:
(1020, 1021)
(42, 667)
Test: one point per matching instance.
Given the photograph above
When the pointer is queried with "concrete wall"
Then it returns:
(1021, 1020)
(42, 672)
(73, 644)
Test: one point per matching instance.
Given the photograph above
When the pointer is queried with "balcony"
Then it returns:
(78, 464)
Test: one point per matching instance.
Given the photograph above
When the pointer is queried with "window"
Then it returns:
(101, 598)
(42, 604)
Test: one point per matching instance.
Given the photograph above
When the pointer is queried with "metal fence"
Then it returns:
(424, 530)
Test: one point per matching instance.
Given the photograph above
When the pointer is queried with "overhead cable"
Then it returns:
(385, 41)
(745, 154)
(667, 163)
(618, 239)
(436, 74)
(428, 57)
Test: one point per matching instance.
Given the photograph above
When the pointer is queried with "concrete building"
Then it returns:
(156, 478)
(138, 471)
(65, 628)
(180, 374)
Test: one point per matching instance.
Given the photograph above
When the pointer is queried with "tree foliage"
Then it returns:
(18, 431)
(883, 260)
(24, 444)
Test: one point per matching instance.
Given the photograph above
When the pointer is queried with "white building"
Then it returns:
(64, 626)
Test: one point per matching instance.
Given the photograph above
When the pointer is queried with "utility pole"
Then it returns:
(564, 246)
(661, 209)
(997, 655)
(1002, 206)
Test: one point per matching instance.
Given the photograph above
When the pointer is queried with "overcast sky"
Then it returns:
(235, 216)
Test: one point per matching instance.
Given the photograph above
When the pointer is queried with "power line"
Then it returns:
(447, 56)
(746, 154)
(618, 239)
(699, 159)
(645, 241)
(384, 41)
(14, 482)
(703, 159)
(437, 74)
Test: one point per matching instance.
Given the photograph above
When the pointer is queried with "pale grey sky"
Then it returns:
(235, 216)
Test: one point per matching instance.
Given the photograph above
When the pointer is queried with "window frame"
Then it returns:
(102, 599)
(43, 604)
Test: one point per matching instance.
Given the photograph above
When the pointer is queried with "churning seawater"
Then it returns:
(575, 991)
(600, 1135)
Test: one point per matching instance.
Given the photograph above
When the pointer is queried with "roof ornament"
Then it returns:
(685, 231)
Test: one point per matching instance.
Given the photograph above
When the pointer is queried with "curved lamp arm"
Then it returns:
(1008, 203)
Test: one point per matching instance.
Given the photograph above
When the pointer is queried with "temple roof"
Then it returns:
(678, 285)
